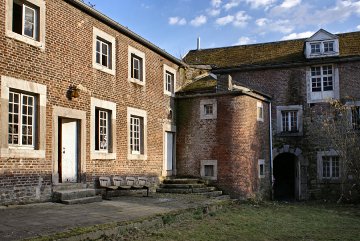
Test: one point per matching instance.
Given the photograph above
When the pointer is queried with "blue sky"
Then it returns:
(174, 25)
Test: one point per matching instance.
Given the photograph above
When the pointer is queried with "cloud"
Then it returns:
(225, 20)
(241, 19)
(244, 41)
(216, 3)
(213, 12)
(298, 35)
(260, 3)
(358, 27)
(198, 21)
(232, 4)
(261, 22)
(290, 3)
(177, 21)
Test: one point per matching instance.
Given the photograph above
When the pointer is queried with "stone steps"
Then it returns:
(76, 196)
(183, 181)
(182, 185)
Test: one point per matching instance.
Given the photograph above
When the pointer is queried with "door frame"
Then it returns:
(80, 116)
(172, 129)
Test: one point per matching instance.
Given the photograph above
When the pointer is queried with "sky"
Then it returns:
(175, 25)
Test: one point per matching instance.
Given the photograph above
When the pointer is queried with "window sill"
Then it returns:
(137, 157)
(104, 69)
(169, 93)
(21, 152)
(136, 81)
(260, 120)
(26, 40)
(98, 155)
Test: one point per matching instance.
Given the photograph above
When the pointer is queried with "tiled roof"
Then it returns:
(267, 54)
(203, 85)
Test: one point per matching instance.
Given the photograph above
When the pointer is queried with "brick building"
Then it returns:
(81, 97)
(300, 76)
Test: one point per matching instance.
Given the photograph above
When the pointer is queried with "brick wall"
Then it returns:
(67, 60)
(235, 139)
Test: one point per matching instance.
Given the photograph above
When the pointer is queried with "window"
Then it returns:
(261, 168)
(322, 78)
(260, 111)
(323, 83)
(328, 47)
(104, 51)
(208, 109)
(25, 21)
(355, 117)
(136, 66)
(169, 80)
(330, 167)
(103, 129)
(315, 48)
(289, 121)
(137, 129)
(21, 119)
(208, 169)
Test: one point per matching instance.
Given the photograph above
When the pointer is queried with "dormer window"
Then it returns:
(322, 44)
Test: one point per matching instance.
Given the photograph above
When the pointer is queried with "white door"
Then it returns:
(69, 150)
(169, 152)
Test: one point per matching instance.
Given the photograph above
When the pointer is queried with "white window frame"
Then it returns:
(323, 95)
(206, 116)
(309, 54)
(280, 110)
(103, 37)
(39, 31)
(37, 150)
(261, 162)
(110, 107)
(133, 112)
(209, 163)
(259, 111)
(331, 153)
(168, 69)
(141, 55)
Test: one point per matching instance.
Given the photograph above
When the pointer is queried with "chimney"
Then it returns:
(198, 43)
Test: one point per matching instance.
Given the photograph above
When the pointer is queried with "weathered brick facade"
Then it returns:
(67, 59)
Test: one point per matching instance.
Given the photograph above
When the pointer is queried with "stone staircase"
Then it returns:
(74, 193)
(189, 186)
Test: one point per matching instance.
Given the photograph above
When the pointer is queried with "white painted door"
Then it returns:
(69, 152)
(169, 142)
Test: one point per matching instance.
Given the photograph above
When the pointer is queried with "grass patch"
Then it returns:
(269, 221)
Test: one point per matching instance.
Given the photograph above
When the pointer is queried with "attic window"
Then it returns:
(315, 48)
(328, 47)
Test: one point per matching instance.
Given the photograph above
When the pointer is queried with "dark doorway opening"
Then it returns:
(284, 175)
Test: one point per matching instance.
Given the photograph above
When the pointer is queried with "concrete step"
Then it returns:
(73, 194)
(82, 200)
(68, 186)
(204, 189)
(183, 181)
(174, 190)
(182, 185)
(210, 194)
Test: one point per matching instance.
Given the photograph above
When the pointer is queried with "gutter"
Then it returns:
(284, 65)
(103, 18)
(271, 153)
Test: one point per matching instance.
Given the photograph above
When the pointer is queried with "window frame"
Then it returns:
(39, 91)
(103, 37)
(322, 46)
(320, 165)
(169, 70)
(110, 108)
(261, 162)
(135, 53)
(259, 111)
(205, 116)
(38, 39)
(279, 119)
(133, 113)
(213, 163)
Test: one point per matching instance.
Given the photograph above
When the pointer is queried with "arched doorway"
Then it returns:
(285, 176)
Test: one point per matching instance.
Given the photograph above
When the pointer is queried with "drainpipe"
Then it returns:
(271, 153)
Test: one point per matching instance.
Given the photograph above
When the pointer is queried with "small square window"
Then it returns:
(209, 170)
(208, 109)
(315, 48)
(328, 47)
(260, 111)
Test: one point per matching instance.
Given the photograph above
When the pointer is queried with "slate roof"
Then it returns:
(267, 54)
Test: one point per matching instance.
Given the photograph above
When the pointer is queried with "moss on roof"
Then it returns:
(204, 85)
(282, 52)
